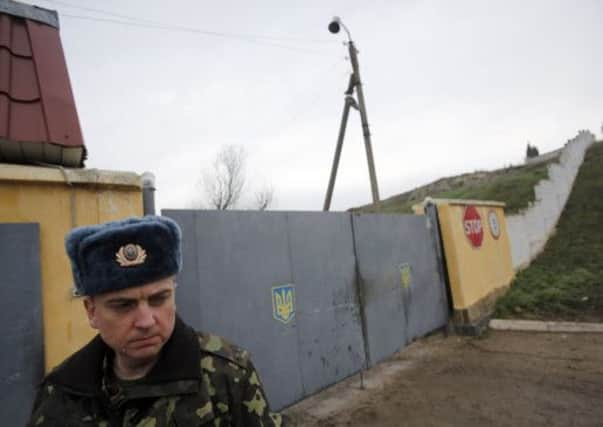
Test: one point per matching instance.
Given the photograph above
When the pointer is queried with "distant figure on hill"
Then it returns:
(532, 151)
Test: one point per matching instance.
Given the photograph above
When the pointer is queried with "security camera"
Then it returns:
(334, 25)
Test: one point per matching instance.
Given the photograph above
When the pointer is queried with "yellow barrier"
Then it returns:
(60, 199)
(478, 255)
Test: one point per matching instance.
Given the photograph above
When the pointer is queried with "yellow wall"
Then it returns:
(42, 195)
(474, 272)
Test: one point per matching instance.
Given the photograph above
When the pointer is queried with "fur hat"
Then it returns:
(123, 254)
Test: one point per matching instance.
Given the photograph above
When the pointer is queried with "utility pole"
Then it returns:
(350, 102)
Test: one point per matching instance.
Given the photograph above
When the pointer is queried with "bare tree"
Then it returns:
(224, 183)
(264, 197)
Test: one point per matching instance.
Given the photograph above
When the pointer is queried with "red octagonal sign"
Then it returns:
(472, 225)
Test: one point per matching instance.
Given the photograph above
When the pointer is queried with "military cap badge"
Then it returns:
(130, 254)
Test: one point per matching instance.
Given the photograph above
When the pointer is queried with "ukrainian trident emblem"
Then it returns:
(283, 303)
(405, 275)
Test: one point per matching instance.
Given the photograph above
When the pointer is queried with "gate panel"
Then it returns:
(379, 243)
(21, 341)
(403, 290)
(188, 294)
(240, 256)
(328, 316)
(428, 304)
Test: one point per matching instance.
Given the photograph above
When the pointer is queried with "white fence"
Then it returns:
(543, 157)
(530, 229)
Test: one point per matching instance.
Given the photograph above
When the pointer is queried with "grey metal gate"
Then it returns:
(236, 262)
(22, 362)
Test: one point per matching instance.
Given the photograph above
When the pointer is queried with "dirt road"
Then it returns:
(502, 379)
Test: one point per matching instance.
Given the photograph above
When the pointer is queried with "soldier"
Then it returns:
(145, 367)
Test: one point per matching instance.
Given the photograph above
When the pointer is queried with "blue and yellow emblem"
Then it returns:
(283, 303)
(405, 275)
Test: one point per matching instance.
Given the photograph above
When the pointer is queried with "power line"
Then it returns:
(248, 39)
(92, 9)
(207, 32)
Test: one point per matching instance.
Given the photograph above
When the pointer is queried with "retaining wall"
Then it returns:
(530, 229)
(543, 157)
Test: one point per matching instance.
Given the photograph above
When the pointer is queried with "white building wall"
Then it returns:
(530, 229)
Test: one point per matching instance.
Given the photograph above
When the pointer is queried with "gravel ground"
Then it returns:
(501, 379)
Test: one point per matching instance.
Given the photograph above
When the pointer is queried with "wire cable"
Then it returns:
(197, 31)
(104, 12)
(207, 32)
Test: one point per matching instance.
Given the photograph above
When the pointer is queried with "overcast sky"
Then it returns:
(450, 87)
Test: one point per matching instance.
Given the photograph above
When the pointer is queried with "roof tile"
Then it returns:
(5, 30)
(19, 40)
(24, 84)
(4, 112)
(27, 122)
(5, 62)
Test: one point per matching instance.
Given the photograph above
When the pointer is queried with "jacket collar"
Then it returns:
(179, 360)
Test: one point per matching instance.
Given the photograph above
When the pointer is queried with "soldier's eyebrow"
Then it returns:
(120, 300)
(161, 294)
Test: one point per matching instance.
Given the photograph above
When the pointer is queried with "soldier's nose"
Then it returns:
(144, 317)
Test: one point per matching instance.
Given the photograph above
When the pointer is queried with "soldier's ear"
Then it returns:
(90, 311)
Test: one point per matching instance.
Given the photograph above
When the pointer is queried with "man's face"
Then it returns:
(135, 322)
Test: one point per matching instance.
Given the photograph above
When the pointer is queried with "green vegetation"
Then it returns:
(512, 185)
(566, 280)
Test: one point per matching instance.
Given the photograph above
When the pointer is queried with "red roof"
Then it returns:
(38, 117)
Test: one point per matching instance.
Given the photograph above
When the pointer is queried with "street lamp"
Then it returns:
(350, 102)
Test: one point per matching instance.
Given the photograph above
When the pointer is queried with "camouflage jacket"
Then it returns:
(199, 380)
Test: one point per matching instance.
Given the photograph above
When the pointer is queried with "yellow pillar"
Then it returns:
(59, 200)
(478, 255)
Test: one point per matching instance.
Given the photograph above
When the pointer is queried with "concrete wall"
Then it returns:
(530, 229)
(543, 157)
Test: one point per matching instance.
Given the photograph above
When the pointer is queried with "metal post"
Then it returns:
(355, 82)
(344, 120)
(365, 127)
(148, 193)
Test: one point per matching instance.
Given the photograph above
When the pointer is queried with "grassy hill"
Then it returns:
(566, 281)
(512, 185)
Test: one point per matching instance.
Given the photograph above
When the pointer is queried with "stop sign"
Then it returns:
(472, 225)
